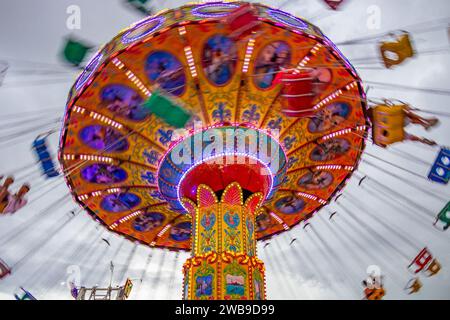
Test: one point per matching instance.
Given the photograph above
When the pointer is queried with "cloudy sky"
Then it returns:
(394, 209)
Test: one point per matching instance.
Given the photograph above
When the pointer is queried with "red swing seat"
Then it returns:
(242, 21)
(298, 92)
(4, 269)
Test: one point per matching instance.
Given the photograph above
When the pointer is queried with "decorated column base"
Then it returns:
(227, 276)
(224, 265)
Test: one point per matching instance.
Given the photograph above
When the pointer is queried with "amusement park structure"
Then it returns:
(213, 127)
(208, 128)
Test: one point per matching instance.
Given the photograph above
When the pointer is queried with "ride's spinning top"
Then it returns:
(244, 170)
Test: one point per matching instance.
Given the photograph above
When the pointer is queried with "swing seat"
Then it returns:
(242, 21)
(4, 269)
(442, 222)
(388, 124)
(297, 93)
(166, 109)
(424, 262)
(374, 294)
(414, 286)
(394, 53)
(440, 171)
(75, 51)
(433, 268)
(334, 4)
(47, 165)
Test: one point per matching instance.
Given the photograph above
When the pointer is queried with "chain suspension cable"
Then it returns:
(127, 262)
(330, 252)
(40, 273)
(144, 272)
(408, 156)
(33, 221)
(399, 195)
(78, 256)
(398, 232)
(172, 276)
(311, 264)
(299, 260)
(333, 285)
(416, 186)
(113, 257)
(375, 256)
(415, 28)
(394, 165)
(97, 262)
(280, 267)
(54, 232)
(32, 113)
(396, 87)
(419, 218)
(157, 279)
(373, 232)
(343, 242)
(37, 83)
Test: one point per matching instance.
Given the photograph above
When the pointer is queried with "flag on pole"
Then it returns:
(166, 109)
(75, 51)
(443, 219)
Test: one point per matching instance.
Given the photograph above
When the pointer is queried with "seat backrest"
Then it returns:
(394, 53)
(388, 123)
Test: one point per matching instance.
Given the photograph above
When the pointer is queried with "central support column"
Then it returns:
(223, 265)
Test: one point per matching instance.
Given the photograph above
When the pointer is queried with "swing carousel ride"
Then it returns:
(213, 126)
(270, 154)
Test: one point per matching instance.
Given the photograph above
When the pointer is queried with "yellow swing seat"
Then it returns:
(388, 124)
(394, 53)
